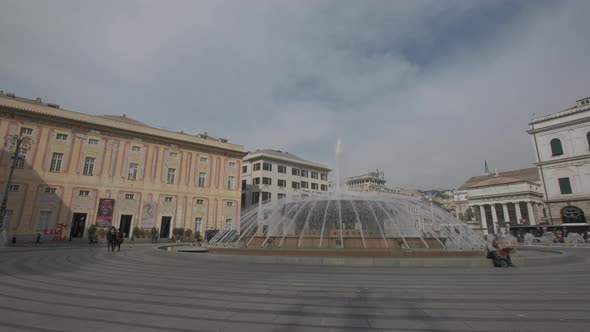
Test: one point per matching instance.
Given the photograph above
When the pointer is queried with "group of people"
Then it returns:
(114, 239)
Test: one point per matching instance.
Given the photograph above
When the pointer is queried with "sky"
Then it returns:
(422, 90)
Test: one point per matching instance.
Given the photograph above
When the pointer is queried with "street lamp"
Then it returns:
(21, 142)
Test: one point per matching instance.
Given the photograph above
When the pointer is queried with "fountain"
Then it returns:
(344, 220)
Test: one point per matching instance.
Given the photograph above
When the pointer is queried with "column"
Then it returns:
(540, 211)
(518, 214)
(484, 225)
(532, 220)
(494, 219)
(506, 215)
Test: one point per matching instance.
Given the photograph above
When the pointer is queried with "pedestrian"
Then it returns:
(110, 239)
(118, 240)
(492, 249)
(38, 239)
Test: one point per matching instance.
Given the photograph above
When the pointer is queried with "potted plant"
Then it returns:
(198, 238)
(136, 232)
(188, 233)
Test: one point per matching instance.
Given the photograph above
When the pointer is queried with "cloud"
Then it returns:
(424, 90)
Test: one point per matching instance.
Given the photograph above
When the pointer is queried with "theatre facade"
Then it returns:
(112, 171)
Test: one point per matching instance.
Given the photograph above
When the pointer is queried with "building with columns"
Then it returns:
(493, 201)
(562, 150)
(112, 171)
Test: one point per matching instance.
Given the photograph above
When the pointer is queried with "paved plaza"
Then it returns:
(144, 289)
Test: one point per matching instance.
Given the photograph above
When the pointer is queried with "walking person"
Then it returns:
(118, 240)
(109, 240)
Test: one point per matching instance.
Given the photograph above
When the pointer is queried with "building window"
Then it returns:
(230, 183)
(198, 223)
(281, 196)
(129, 196)
(228, 223)
(44, 217)
(295, 171)
(7, 219)
(256, 181)
(135, 148)
(256, 166)
(84, 193)
(244, 169)
(61, 137)
(304, 173)
(202, 178)
(324, 187)
(314, 175)
(282, 169)
(56, 162)
(267, 167)
(93, 141)
(304, 195)
(295, 185)
(50, 190)
(13, 187)
(244, 184)
(304, 184)
(173, 154)
(232, 164)
(556, 148)
(324, 177)
(266, 196)
(171, 175)
(255, 197)
(200, 202)
(243, 200)
(230, 204)
(133, 171)
(267, 181)
(203, 159)
(588, 139)
(314, 186)
(21, 158)
(168, 199)
(26, 131)
(282, 183)
(564, 186)
(89, 166)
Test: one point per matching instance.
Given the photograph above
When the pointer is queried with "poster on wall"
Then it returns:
(148, 215)
(104, 217)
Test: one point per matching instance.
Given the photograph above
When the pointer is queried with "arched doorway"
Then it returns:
(572, 214)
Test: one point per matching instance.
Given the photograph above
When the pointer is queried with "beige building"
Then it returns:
(562, 150)
(493, 201)
(271, 174)
(112, 170)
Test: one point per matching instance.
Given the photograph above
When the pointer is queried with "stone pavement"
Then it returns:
(143, 289)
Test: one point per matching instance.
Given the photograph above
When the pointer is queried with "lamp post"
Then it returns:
(21, 142)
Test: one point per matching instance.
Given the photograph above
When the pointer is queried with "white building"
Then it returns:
(562, 146)
(492, 201)
(370, 182)
(272, 174)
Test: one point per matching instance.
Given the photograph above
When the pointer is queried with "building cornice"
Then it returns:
(263, 156)
(558, 125)
(11, 107)
(563, 160)
(507, 195)
(568, 199)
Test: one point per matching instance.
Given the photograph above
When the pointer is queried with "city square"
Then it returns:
(143, 288)
(334, 165)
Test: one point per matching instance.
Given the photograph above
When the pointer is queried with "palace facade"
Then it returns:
(111, 170)
(562, 150)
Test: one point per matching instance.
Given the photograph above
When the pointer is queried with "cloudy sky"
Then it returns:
(423, 90)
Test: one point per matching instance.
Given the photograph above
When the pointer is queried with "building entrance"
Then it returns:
(78, 223)
(165, 227)
(125, 224)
